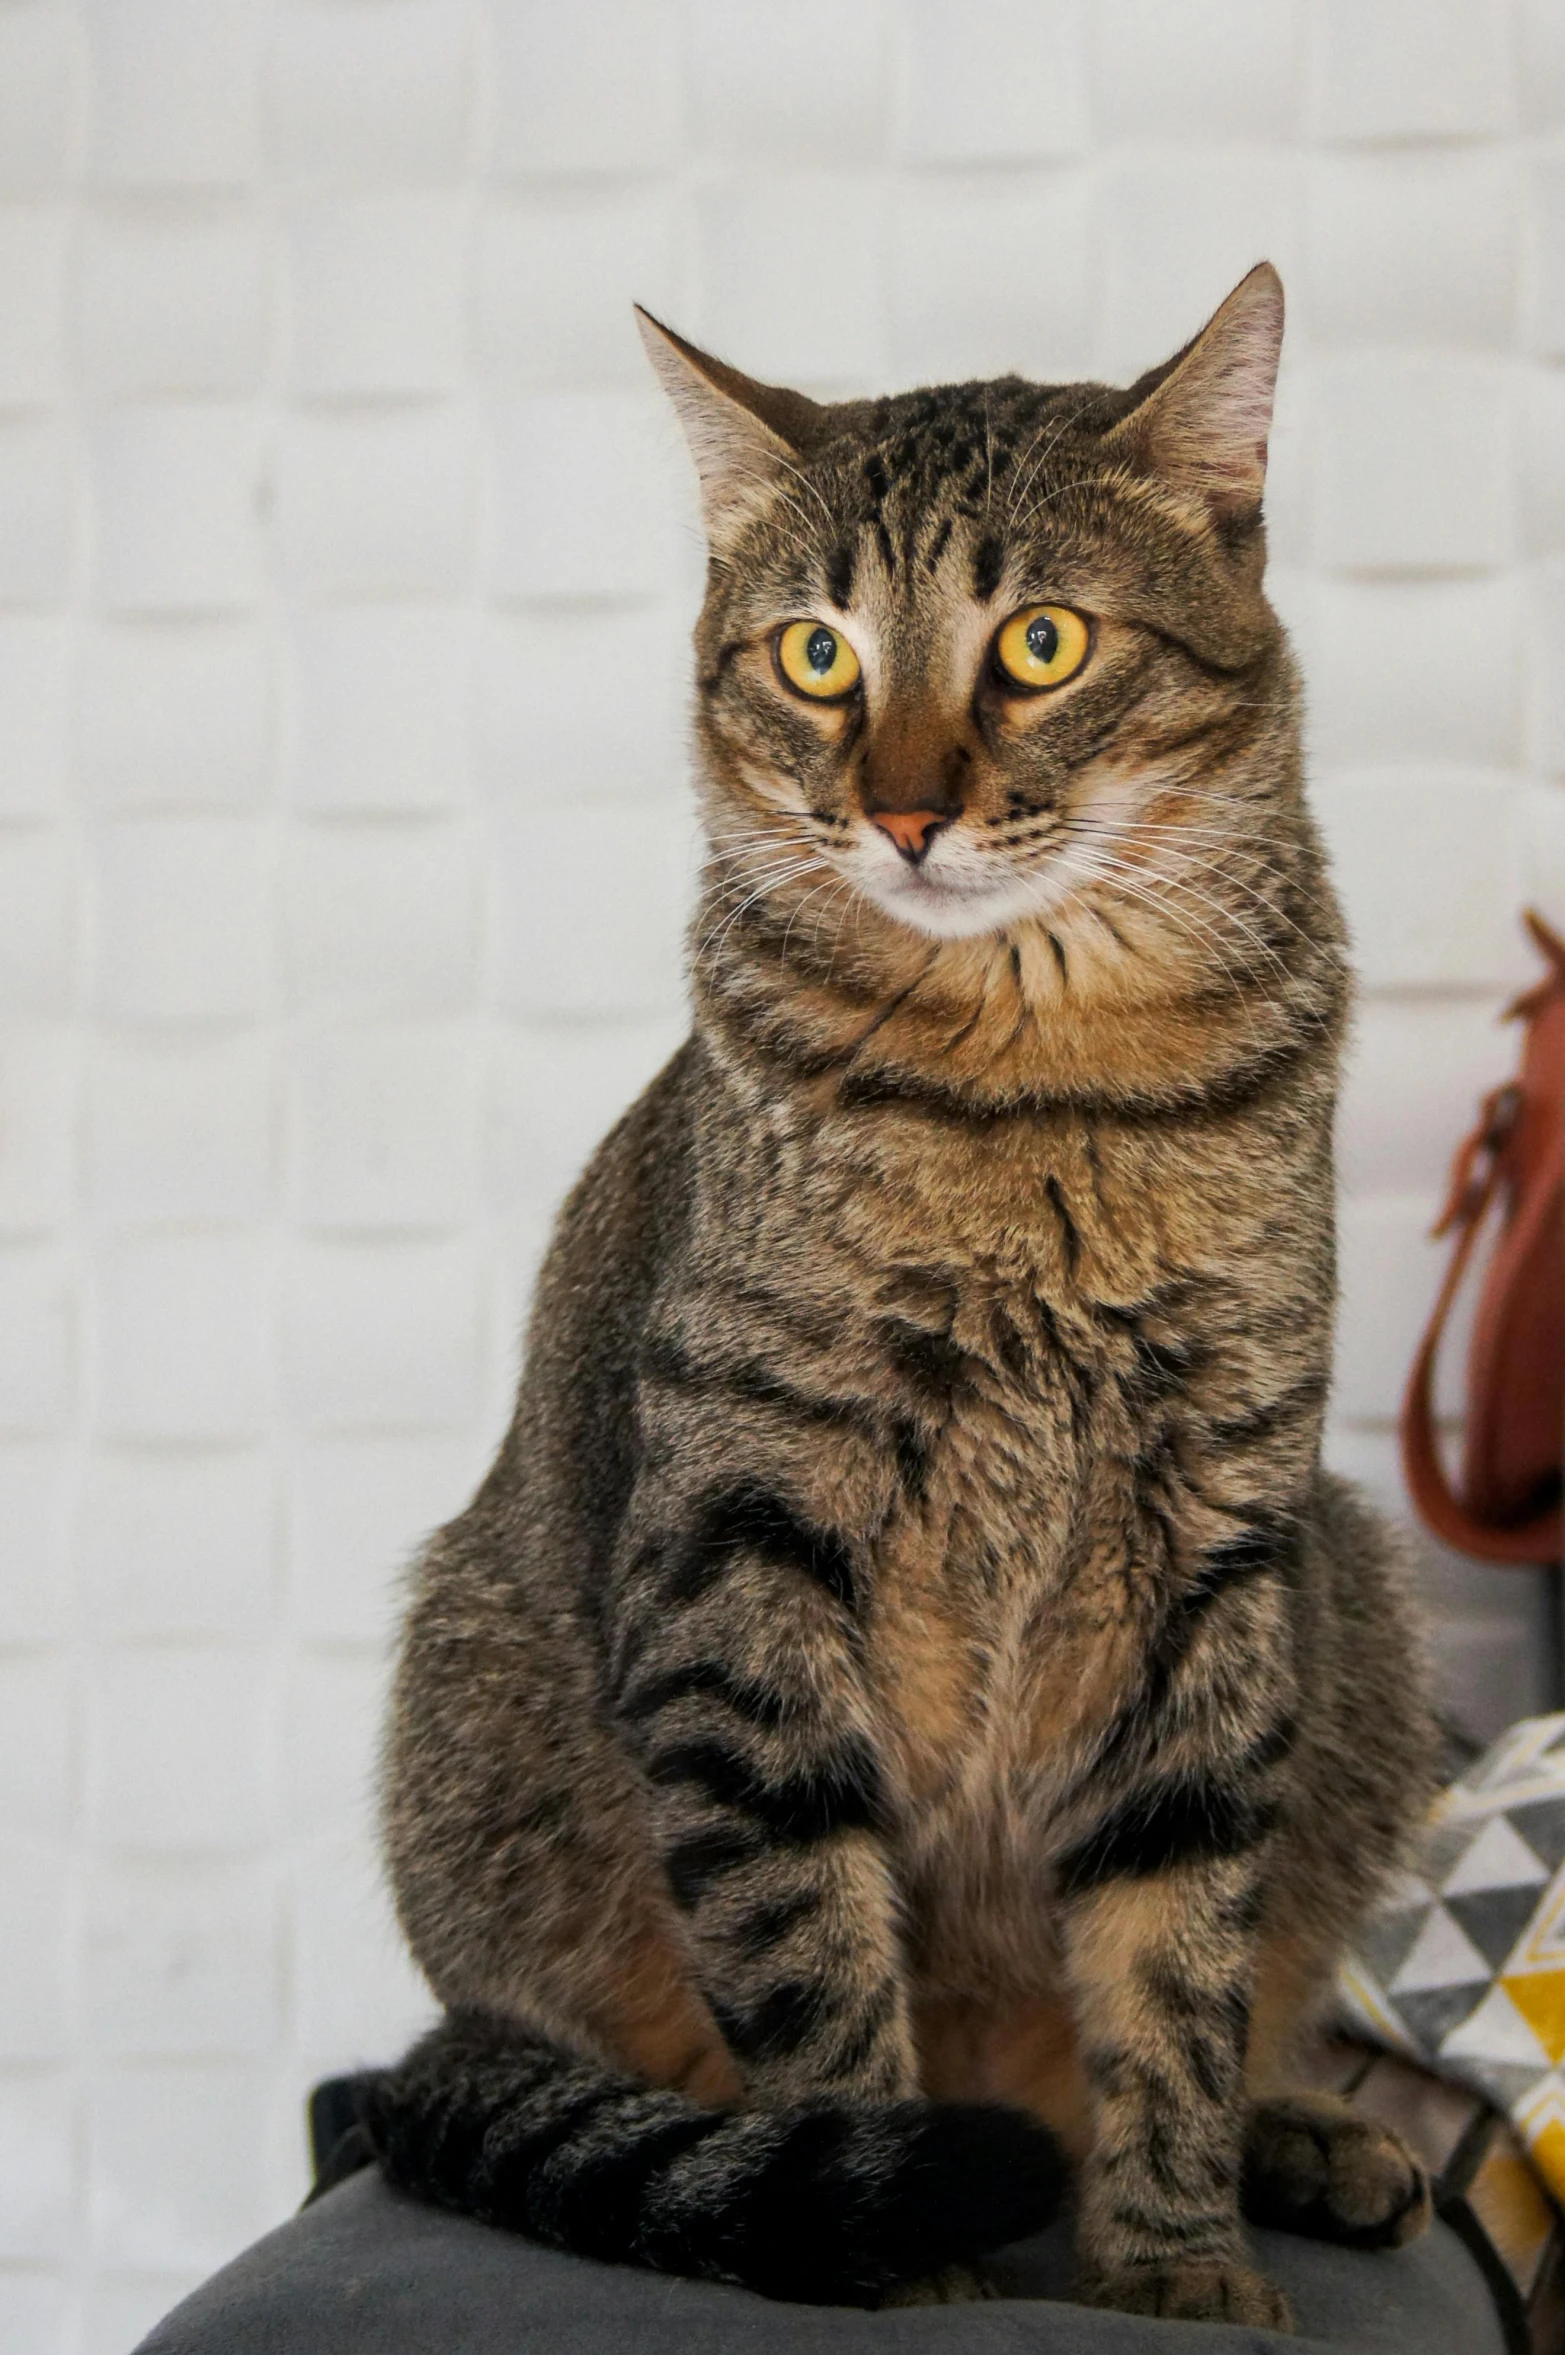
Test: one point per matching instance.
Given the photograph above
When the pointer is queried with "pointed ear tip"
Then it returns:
(1262, 288)
(664, 349)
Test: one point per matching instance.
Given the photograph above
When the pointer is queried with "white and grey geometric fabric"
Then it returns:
(1463, 1968)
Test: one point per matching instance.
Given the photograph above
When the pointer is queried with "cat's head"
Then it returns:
(982, 656)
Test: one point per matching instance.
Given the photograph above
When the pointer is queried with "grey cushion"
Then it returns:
(366, 2271)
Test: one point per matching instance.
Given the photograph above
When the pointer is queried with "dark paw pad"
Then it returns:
(1313, 2165)
(1196, 2289)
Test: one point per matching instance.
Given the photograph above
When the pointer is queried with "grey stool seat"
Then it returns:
(367, 2271)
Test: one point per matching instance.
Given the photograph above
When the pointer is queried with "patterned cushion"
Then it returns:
(1464, 1968)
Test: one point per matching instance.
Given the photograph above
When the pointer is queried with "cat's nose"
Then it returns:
(911, 830)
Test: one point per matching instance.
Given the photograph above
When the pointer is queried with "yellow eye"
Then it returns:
(1043, 645)
(817, 661)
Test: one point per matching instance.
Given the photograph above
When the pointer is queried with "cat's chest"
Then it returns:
(1005, 1627)
(994, 1287)
(985, 1294)
(1002, 1286)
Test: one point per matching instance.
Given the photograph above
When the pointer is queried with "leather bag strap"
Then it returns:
(1476, 1180)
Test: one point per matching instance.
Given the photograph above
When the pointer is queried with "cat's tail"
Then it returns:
(823, 2202)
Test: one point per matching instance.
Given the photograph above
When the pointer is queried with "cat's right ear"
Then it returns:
(743, 435)
(1205, 417)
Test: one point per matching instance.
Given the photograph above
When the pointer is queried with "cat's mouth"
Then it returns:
(920, 885)
(954, 902)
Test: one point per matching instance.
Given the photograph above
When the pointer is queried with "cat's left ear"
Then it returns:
(1204, 423)
(743, 435)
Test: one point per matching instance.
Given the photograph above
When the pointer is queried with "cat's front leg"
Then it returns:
(1162, 1892)
(737, 1685)
(1161, 1962)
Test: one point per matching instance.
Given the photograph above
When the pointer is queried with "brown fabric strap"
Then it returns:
(1541, 1538)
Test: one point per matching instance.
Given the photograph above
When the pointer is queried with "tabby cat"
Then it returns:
(908, 1711)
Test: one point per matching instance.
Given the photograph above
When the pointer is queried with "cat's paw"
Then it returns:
(1313, 2165)
(957, 2285)
(1192, 2289)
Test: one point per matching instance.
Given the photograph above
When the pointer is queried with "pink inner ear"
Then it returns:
(1207, 426)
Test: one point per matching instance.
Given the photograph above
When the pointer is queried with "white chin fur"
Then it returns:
(926, 904)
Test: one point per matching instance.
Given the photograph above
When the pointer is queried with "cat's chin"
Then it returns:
(949, 911)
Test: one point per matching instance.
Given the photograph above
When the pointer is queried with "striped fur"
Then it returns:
(835, 2203)
(907, 1661)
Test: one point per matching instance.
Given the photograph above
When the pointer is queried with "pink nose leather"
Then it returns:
(909, 829)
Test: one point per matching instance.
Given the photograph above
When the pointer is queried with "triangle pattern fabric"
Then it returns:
(1431, 2013)
(1442, 1955)
(1494, 1919)
(1464, 1964)
(1542, 1825)
(1498, 1859)
(1540, 1998)
(1386, 1940)
(1445, 1844)
(1495, 2031)
(1509, 2084)
(1544, 2110)
(1518, 1761)
(1366, 2013)
(1542, 1948)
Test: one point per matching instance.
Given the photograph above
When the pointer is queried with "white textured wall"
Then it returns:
(345, 569)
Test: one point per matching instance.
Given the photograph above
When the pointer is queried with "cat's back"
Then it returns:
(569, 1458)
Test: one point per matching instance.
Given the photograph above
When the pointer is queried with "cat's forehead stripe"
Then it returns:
(939, 545)
(988, 565)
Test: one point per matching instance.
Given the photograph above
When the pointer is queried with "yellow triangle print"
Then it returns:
(1540, 2120)
(1518, 1764)
(1363, 2002)
(1542, 1945)
(1540, 1998)
(1548, 2150)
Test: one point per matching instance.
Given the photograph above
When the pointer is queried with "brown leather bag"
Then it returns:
(1508, 1508)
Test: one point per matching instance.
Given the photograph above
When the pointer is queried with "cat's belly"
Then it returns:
(1000, 1640)
(977, 1895)
(994, 1679)
(1003, 1637)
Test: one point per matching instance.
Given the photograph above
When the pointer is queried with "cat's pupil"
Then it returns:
(1043, 639)
(821, 651)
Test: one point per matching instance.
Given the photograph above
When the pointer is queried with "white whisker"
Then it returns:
(1024, 482)
(774, 881)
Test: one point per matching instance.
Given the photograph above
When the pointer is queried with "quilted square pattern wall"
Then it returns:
(346, 567)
